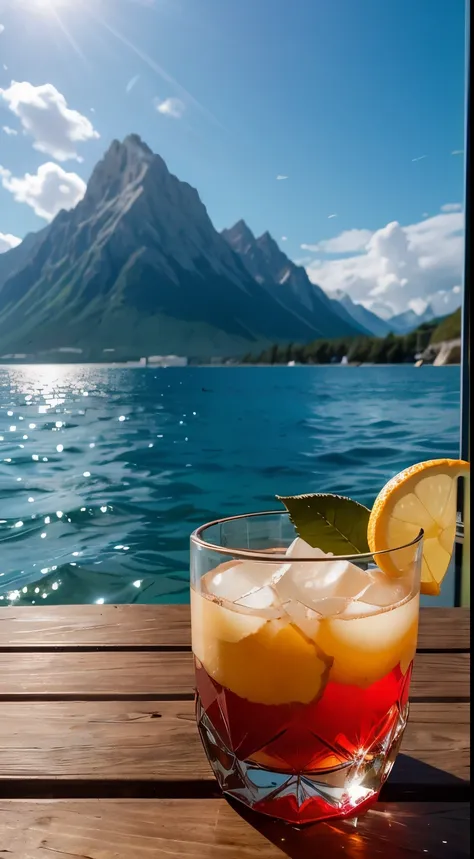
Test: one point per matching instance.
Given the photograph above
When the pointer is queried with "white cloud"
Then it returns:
(420, 158)
(7, 242)
(173, 107)
(346, 242)
(281, 177)
(44, 114)
(284, 238)
(334, 215)
(47, 191)
(452, 207)
(10, 131)
(2, 27)
(422, 261)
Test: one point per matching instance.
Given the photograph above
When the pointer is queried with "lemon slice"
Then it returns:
(422, 496)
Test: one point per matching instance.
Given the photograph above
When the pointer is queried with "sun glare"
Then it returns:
(46, 7)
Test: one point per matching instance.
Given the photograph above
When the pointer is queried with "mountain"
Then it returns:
(14, 259)
(402, 323)
(368, 320)
(405, 322)
(289, 284)
(448, 328)
(137, 267)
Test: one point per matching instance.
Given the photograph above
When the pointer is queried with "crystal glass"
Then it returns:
(303, 665)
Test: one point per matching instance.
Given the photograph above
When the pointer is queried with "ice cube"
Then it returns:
(260, 599)
(212, 623)
(330, 606)
(367, 648)
(233, 580)
(301, 549)
(311, 583)
(357, 608)
(304, 618)
(263, 661)
(384, 591)
(244, 585)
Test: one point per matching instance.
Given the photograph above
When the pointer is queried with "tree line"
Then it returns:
(392, 349)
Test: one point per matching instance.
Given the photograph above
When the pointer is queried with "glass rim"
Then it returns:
(271, 557)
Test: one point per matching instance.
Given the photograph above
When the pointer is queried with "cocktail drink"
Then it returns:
(303, 667)
(303, 660)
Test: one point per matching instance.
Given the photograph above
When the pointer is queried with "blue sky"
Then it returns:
(340, 96)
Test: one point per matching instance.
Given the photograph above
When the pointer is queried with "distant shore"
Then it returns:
(131, 365)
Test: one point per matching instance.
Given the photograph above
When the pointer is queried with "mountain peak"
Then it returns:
(287, 282)
(241, 225)
(146, 272)
(367, 319)
(268, 245)
(123, 165)
(240, 230)
(239, 237)
(135, 140)
(131, 147)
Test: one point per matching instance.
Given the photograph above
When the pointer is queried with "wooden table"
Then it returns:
(100, 757)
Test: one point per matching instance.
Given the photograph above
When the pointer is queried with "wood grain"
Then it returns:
(97, 673)
(168, 626)
(86, 710)
(158, 741)
(213, 829)
(120, 674)
(95, 626)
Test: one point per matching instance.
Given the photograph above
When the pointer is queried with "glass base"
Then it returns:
(303, 797)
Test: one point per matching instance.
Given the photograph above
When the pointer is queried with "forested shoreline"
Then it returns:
(392, 349)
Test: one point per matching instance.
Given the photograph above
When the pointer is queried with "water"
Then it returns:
(105, 471)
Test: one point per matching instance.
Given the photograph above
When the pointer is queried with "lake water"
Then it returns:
(105, 471)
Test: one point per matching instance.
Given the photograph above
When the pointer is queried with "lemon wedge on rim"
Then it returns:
(422, 496)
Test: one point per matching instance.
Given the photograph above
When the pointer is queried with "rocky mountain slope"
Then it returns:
(289, 284)
(138, 267)
(408, 321)
(373, 323)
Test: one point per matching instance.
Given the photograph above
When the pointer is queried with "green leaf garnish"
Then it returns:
(331, 523)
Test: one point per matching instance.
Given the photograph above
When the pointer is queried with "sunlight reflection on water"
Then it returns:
(105, 471)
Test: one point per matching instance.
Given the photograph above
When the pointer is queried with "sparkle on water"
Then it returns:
(165, 450)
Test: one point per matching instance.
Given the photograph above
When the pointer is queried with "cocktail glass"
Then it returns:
(303, 665)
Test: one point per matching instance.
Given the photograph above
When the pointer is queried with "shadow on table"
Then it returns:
(413, 780)
(429, 818)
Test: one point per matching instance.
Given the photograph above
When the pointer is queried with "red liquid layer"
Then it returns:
(346, 724)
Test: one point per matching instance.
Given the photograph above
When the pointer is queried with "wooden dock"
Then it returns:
(100, 756)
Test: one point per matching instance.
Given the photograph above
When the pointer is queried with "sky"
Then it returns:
(337, 125)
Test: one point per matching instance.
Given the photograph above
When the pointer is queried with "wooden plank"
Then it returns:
(197, 829)
(100, 673)
(95, 626)
(168, 626)
(120, 674)
(158, 741)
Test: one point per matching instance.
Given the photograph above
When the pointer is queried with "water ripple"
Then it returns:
(105, 471)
